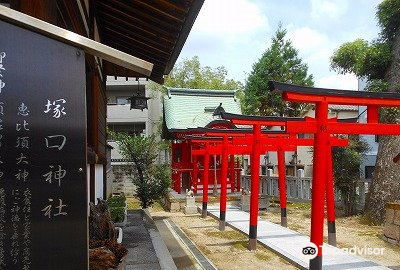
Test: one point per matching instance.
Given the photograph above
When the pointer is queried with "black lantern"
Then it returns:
(138, 102)
(218, 112)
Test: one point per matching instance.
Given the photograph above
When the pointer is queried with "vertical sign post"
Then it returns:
(43, 205)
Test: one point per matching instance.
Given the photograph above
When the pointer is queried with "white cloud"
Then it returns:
(333, 9)
(306, 39)
(346, 81)
(230, 17)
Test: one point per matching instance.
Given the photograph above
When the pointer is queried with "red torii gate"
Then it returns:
(188, 163)
(322, 127)
(257, 122)
(272, 142)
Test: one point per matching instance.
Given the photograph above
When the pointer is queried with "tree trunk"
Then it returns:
(141, 194)
(385, 185)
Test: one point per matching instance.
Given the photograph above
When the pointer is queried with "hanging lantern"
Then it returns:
(138, 102)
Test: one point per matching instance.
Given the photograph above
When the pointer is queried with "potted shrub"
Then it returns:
(118, 209)
(105, 250)
(106, 254)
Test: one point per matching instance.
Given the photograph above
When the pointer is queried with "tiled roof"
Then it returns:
(343, 107)
(192, 108)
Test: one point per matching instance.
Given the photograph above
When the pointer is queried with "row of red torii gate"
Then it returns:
(235, 134)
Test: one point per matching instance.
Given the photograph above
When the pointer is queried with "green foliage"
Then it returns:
(163, 174)
(362, 59)
(190, 74)
(388, 15)
(388, 115)
(280, 63)
(117, 214)
(151, 180)
(376, 63)
(346, 170)
(377, 86)
(116, 201)
(372, 59)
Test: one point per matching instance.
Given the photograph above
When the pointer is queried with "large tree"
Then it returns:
(281, 63)
(191, 74)
(379, 62)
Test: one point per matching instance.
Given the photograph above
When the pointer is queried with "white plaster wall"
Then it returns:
(305, 154)
(88, 186)
(98, 172)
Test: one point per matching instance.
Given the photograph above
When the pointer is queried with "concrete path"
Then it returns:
(288, 244)
(179, 253)
(158, 244)
(146, 249)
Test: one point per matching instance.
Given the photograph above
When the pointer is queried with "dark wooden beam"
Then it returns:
(45, 10)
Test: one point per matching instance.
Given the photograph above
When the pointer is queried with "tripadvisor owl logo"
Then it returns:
(309, 251)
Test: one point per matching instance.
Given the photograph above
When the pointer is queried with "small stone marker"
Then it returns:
(190, 207)
(245, 200)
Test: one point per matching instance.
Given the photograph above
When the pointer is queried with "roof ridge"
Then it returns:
(200, 92)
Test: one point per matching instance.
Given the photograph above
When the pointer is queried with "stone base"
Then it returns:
(190, 207)
(245, 203)
(190, 210)
(391, 230)
(263, 202)
(391, 241)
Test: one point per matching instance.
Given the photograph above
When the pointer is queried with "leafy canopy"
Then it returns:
(373, 59)
(279, 63)
(362, 58)
(190, 74)
(388, 15)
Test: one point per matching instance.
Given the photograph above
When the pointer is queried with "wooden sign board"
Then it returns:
(43, 199)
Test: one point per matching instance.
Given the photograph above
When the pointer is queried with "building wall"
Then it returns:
(122, 184)
(305, 152)
(120, 117)
(370, 157)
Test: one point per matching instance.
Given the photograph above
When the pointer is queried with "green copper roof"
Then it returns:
(192, 108)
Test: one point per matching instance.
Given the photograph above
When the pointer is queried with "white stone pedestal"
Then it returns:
(190, 207)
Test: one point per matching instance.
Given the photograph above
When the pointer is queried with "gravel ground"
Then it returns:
(228, 249)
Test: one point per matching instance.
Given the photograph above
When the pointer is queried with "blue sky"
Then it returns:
(235, 33)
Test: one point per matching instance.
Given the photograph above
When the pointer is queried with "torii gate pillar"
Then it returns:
(282, 185)
(224, 176)
(255, 174)
(205, 181)
(319, 182)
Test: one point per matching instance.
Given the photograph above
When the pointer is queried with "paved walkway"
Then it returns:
(158, 244)
(146, 249)
(288, 243)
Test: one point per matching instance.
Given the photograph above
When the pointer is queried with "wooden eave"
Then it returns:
(154, 31)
